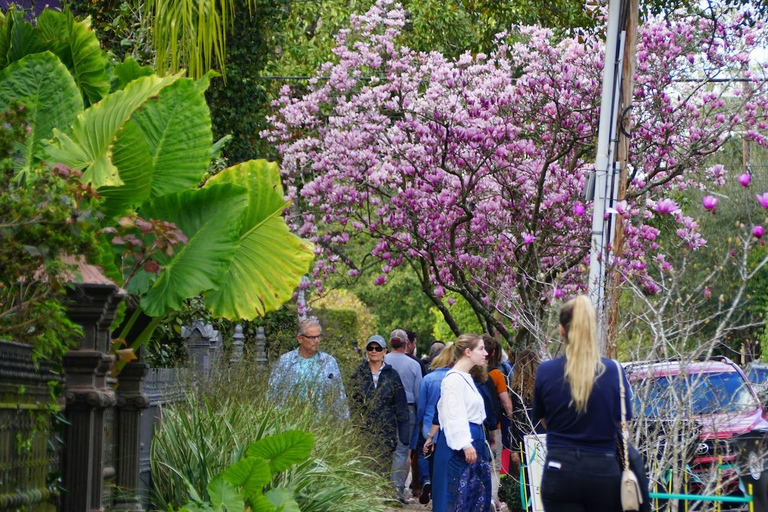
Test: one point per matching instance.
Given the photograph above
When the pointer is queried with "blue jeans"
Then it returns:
(581, 481)
(400, 461)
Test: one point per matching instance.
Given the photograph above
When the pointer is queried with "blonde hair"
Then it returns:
(464, 342)
(582, 359)
(444, 359)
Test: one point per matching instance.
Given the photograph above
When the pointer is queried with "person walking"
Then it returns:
(493, 347)
(308, 375)
(426, 411)
(576, 397)
(461, 448)
(410, 375)
(378, 404)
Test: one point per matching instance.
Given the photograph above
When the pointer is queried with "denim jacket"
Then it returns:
(322, 386)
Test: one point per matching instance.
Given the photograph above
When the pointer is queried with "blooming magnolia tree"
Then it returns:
(471, 170)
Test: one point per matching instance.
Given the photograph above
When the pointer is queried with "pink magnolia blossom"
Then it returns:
(762, 199)
(758, 232)
(709, 202)
(448, 163)
(667, 206)
(744, 179)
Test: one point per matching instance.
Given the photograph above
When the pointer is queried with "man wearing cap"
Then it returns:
(410, 374)
(378, 404)
(309, 375)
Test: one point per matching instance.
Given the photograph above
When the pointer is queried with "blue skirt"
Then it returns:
(453, 480)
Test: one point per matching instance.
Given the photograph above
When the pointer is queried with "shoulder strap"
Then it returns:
(623, 425)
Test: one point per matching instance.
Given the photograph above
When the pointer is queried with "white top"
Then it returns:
(460, 404)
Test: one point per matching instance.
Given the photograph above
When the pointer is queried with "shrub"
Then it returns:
(209, 431)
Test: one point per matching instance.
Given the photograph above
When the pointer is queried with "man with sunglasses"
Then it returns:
(378, 403)
(308, 375)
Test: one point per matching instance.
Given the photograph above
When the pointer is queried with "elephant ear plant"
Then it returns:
(144, 143)
(245, 485)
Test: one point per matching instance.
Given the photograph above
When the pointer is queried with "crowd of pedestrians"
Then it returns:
(447, 417)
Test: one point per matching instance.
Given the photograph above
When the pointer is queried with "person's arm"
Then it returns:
(403, 417)
(333, 374)
(430, 438)
(506, 403)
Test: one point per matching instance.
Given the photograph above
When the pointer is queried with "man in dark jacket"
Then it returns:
(378, 402)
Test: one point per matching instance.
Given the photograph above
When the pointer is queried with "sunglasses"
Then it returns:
(371, 348)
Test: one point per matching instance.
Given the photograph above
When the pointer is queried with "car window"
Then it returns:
(757, 375)
(702, 393)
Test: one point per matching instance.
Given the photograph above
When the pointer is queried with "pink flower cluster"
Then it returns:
(473, 168)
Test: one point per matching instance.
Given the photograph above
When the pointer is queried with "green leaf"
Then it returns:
(224, 494)
(211, 219)
(282, 499)
(76, 45)
(129, 70)
(19, 38)
(250, 474)
(271, 260)
(164, 148)
(283, 450)
(261, 504)
(87, 145)
(43, 85)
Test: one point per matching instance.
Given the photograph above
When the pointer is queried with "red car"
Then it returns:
(708, 408)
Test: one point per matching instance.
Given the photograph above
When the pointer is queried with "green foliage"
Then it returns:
(231, 423)
(340, 337)
(345, 299)
(73, 42)
(399, 304)
(462, 313)
(146, 147)
(270, 260)
(38, 225)
(242, 484)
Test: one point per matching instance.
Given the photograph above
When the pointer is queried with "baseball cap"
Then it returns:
(398, 338)
(378, 340)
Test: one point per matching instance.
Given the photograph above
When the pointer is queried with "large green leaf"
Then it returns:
(224, 495)
(211, 219)
(18, 38)
(270, 261)
(283, 499)
(282, 450)
(251, 475)
(76, 45)
(164, 148)
(43, 85)
(87, 145)
(129, 70)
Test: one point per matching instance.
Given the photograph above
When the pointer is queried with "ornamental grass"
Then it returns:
(211, 428)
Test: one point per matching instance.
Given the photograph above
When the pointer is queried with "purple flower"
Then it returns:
(709, 202)
(451, 301)
(528, 238)
(667, 206)
(758, 232)
(744, 179)
(380, 280)
(578, 209)
(559, 293)
(762, 199)
(707, 293)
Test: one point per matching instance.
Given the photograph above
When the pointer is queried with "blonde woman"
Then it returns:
(576, 398)
(461, 446)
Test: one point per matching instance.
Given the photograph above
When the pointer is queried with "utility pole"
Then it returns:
(605, 181)
(624, 127)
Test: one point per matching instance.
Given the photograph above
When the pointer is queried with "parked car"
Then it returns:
(709, 407)
(757, 374)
